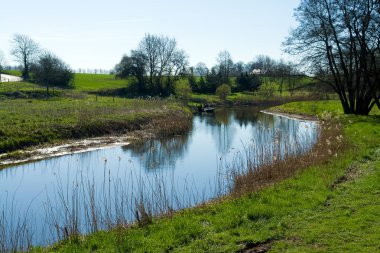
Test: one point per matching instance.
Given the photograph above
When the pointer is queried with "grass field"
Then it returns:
(26, 122)
(330, 206)
(95, 82)
(12, 72)
(19, 86)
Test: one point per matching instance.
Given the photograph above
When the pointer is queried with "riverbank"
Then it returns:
(330, 204)
(32, 129)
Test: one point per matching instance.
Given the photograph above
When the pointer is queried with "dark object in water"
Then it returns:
(208, 108)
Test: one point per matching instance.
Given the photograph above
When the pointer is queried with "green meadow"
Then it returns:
(330, 204)
(96, 82)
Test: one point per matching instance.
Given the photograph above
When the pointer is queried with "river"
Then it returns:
(85, 192)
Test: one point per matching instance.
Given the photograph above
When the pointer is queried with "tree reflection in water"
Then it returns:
(160, 153)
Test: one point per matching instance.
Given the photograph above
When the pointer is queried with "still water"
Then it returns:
(98, 189)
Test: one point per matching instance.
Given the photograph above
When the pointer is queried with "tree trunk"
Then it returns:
(47, 89)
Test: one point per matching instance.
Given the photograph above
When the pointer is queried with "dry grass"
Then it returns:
(252, 178)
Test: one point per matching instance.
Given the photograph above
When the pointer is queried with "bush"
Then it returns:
(183, 91)
(223, 91)
(50, 70)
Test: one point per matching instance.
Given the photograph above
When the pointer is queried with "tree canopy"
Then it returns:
(156, 64)
(50, 70)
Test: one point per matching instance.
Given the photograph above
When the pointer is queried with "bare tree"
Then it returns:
(339, 41)
(201, 69)
(149, 47)
(226, 65)
(25, 50)
(164, 62)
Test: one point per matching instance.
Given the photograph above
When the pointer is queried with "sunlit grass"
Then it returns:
(93, 82)
(25, 122)
(12, 72)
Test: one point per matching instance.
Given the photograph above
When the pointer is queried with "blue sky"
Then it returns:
(95, 34)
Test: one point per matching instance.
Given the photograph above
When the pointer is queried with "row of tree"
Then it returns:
(242, 76)
(46, 68)
(156, 64)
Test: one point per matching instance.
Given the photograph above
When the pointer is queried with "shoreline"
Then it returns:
(97, 143)
(67, 148)
(291, 116)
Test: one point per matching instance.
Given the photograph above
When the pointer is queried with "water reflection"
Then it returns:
(179, 171)
(161, 153)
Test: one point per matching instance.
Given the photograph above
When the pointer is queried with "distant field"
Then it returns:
(94, 82)
(12, 72)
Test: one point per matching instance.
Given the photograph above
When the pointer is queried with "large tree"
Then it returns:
(159, 60)
(225, 65)
(339, 40)
(165, 62)
(50, 70)
(133, 65)
(25, 50)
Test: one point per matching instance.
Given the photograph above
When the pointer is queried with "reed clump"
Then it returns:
(251, 177)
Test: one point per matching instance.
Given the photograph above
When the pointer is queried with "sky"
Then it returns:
(93, 34)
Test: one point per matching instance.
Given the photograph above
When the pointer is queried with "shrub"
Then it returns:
(183, 91)
(50, 70)
(223, 91)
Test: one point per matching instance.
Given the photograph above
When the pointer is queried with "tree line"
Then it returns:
(338, 42)
(157, 63)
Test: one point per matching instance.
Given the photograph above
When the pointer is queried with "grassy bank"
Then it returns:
(331, 205)
(27, 122)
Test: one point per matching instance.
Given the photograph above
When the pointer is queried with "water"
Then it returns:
(165, 174)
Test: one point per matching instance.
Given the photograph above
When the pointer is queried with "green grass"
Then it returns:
(82, 82)
(249, 98)
(16, 90)
(25, 122)
(96, 82)
(317, 108)
(19, 86)
(12, 72)
(314, 211)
